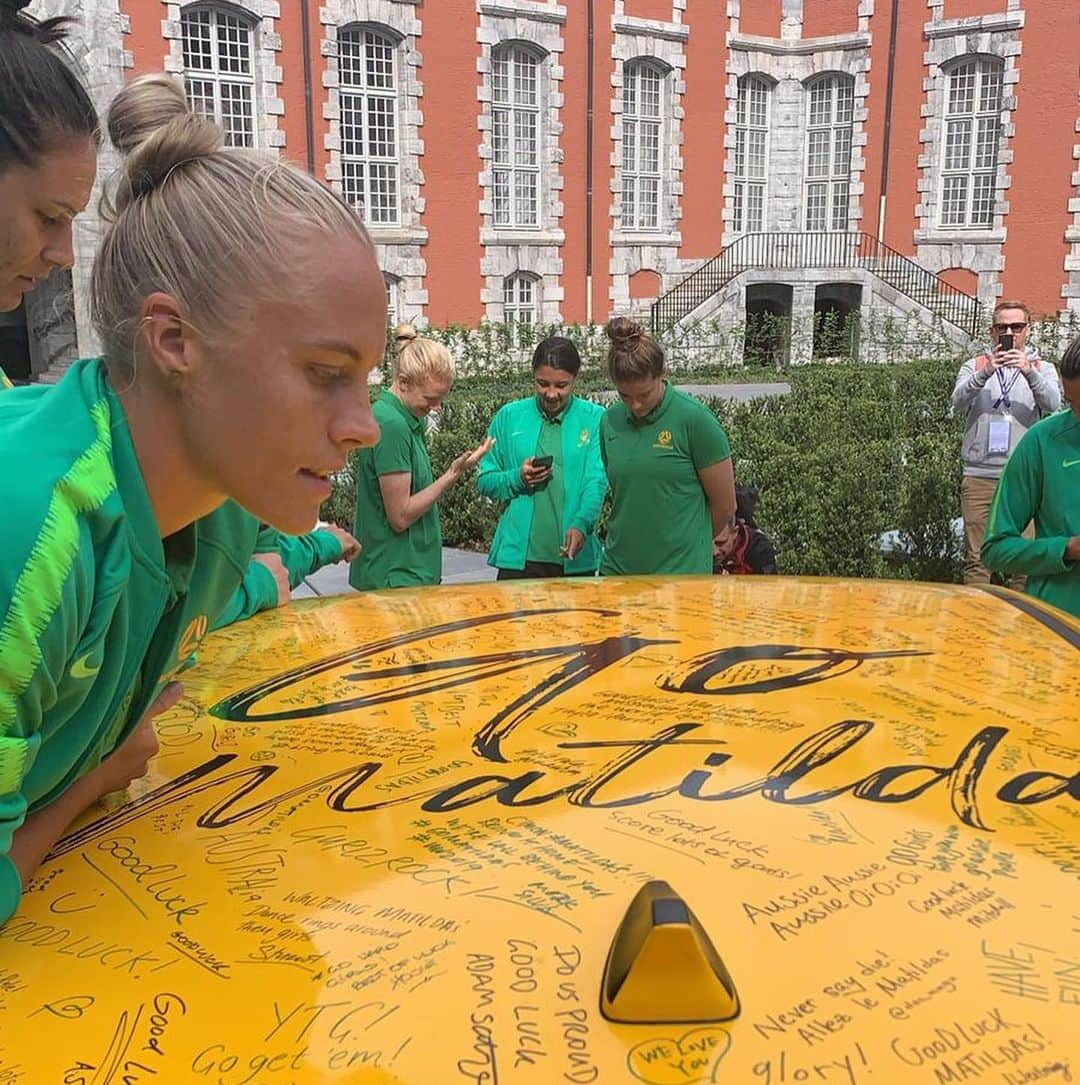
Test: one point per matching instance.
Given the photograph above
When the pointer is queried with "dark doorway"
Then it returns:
(768, 325)
(15, 344)
(836, 320)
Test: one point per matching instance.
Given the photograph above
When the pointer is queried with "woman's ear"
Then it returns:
(167, 339)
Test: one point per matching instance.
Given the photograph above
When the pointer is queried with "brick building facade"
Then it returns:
(543, 161)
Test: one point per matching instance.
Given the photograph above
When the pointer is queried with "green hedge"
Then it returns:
(719, 346)
(853, 451)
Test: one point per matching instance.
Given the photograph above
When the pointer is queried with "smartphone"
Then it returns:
(1005, 341)
(542, 461)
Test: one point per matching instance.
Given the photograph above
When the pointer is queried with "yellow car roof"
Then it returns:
(392, 838)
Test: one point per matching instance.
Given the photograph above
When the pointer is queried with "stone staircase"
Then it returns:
(792, 251)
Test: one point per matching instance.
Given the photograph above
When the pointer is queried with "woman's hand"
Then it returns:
(350, 546)
(130, 759)
(532, 475)
(280, 574)
(467, 461)
(572, 544)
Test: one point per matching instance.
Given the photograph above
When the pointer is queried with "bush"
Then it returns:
(854, 451)
(757, 347)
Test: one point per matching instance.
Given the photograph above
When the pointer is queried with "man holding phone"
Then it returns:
(1003, 392)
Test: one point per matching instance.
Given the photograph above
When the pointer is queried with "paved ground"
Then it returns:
(459, 567)
(740, 393)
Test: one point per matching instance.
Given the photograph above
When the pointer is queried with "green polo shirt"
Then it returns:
(545, 535)
(391, 559)
(660, 521)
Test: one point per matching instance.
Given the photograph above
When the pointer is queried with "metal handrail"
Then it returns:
(794, 251)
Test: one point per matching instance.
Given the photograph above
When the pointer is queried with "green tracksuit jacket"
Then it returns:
(516, 429)
(96, 614)
(1041, 482)
(301, 555)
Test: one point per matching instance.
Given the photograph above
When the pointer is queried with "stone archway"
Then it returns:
(768, 325)
(836, 320)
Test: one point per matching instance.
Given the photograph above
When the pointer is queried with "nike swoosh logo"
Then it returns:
(79, 669)
(1069, 463)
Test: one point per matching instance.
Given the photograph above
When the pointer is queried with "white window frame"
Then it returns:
(642, 135)
(522, 303)
(363, 93)
(970, 143)
(222, 82)
(517, 104)
(751, 185)
(829, 134)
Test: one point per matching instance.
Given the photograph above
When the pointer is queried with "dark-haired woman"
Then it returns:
(668, 462)
(48, 153)
(224, 383)
(546, 465)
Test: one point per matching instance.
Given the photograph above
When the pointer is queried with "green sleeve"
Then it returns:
(708, 441)
(495, 478)
(46, 586)
(305, 554)
(257, 591)
(301, 555)
(393, 453)
(1015, 504)
(268, 539)
(10, 888)
(594, 485)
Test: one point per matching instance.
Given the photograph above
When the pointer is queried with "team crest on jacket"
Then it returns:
(192, 637)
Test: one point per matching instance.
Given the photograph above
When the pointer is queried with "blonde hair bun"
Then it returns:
(142, 107)
(151, 125)
(404, 333)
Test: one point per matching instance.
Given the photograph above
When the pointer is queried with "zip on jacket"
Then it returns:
(516, 429)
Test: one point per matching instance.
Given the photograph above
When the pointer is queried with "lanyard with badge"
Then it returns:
(999, 432)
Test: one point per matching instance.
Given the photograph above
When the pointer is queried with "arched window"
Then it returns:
(219, 74)
(515, 136)
(521, 299)
(828, 152)
(642, 144)
(751, 153)
(368, 95)
(969, 152)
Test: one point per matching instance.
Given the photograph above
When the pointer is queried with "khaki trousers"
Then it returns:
(976, 496)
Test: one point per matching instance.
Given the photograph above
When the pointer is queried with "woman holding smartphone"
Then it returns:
(546, 465)
(397, 514)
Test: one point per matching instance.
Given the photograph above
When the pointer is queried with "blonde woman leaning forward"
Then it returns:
(241, 310)
(283, 561)
(397, 515)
